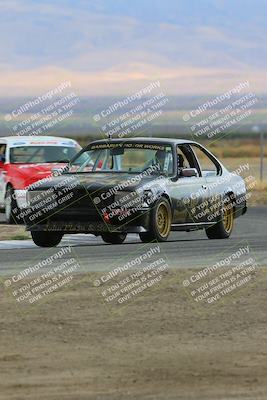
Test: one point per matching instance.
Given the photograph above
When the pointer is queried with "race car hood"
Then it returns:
(99, 181)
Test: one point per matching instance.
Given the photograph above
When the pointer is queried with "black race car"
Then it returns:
(139, 185)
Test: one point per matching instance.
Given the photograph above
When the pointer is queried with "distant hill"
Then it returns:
(169, 122)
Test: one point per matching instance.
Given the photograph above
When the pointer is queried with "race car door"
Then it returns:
(211, 171)
(189, 193)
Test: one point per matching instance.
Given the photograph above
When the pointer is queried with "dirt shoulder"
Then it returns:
(161, 346)
(13, 232)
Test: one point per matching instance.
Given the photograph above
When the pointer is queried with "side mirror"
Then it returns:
(189, 172)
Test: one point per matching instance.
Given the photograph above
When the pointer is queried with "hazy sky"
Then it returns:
(114, 47)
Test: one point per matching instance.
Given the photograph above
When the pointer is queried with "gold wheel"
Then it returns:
(228, 217)
(163, 220)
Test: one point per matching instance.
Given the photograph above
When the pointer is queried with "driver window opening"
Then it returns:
(185, 160)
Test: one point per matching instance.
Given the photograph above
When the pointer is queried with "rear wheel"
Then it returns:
(46, 239)
(223, 228)
(11, 206)
(114, 238)
(161, 219)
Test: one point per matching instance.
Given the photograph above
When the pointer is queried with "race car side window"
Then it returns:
(186, 158)
(209, 166)
(2, 152)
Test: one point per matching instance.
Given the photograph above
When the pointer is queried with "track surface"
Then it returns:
(183, 250)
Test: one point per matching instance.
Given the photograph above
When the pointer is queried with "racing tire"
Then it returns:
(46, 239)
(11, 207)
(160, 222)
(114, 238)
(224, 227)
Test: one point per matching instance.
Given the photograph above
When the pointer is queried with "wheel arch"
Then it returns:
(167, 197)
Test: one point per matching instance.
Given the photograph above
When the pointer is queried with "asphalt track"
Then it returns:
(183, 250)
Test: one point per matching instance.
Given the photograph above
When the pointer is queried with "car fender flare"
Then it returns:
(166, 196)
(231, 196)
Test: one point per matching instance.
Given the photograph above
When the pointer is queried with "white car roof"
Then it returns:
(15, 141)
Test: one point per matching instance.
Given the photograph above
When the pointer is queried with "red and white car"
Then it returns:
(26, 160)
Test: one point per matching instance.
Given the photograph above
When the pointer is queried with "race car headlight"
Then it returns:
(148, 196)
(128, 199)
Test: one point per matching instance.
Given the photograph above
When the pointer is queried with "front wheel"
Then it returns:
(114, 238)
(46, 239)
(11, 207)
(160, 223)
(223, 228)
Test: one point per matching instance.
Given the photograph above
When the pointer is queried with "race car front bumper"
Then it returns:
(137, 223)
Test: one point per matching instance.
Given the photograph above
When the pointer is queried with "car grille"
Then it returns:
(82, 208)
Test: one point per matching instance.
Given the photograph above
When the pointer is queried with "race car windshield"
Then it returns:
(127, 157)
(42, 154)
